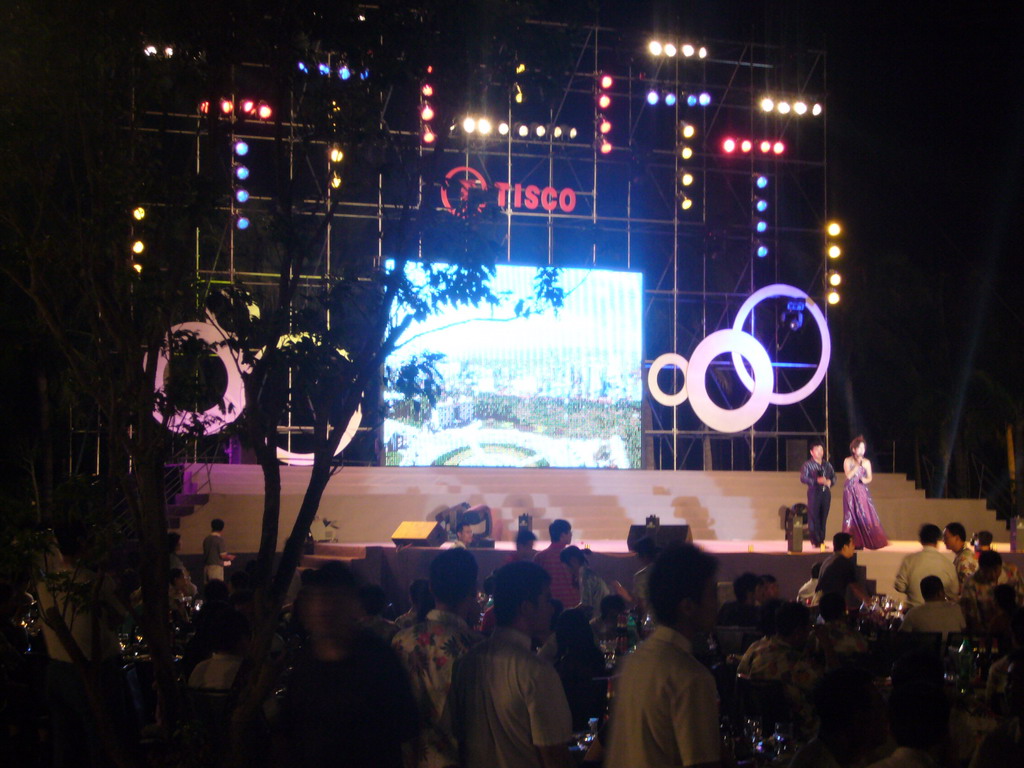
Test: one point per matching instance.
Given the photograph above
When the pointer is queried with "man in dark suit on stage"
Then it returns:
(818, 475)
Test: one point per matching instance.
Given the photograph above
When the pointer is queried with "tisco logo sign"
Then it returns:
(463, 186)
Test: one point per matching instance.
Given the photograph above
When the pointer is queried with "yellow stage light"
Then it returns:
(686, 204)
(139, 213)
(834, 252)
(335, 181)
(833, 297)
(336, 155)
(687, 153)
(137, 268)
(654, 47)
(483, 125)
(834, 278)
(767, 105)
(687, 179)
(834, 229)
(689, 131)
(138, 247)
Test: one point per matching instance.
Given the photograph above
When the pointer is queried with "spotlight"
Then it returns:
(204, 107)
(241, 172)
(519, 94)
(604, 101)
(689, 131)
(248, 106)
(469, 125)
(783, 107)
(816, 110)
(833, 297)
(427, 113)
(428, 136)
(336, 155)
(242, 195)
(686, 179)
(606, 81)
(139, 213)
(523, 130)
(834, 251)
(427, 90)
(761, 182)
(686, 203)
(557, 132)
(766, 147)
(303, 68)
(520, 68)
(704, 99)
(149, 50)
(503, 128)
(324, 69)
(137, 268)
(670, 99)
(654, 47)
(762, 251)
(241, 148)
(335, 180)
(746, 145)
(691, 100)
(227, 106)
(344, 72)
(761, 226)
(793, 318)
(364, 75)
(688, 51)
(778, 147)
(702, 53)
(572, 133)
(800, 108)
(729, 145)
(604, 126)
(767, 105)
(833, 229)
(168, 52)
(686, 153)
(669, 49)
(652, 97)
(541, 131)
(761, 205)
(242, 222)
(138, 247)
(834, 278)
(264, 111)
(606, 147)
(483, 126)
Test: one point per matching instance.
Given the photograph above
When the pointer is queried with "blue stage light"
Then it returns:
(762, 182)
(303, 68)
(242, 195)
(652, 97)
(761, 227)
(241, 173)
(762, 251)
(364, 74)
(691, 100)
(324, 69)
(761, 205)
(242, 222)
(670, 99)
(241, 148)
(704, 99)
(344, 72)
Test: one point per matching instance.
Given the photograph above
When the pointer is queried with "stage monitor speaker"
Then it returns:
(419, 533)
(663, 534)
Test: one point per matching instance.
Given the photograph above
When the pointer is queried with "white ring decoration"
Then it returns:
(669, 358)
(306, 459)
(213, 419)
(780, 289)
(740, 344)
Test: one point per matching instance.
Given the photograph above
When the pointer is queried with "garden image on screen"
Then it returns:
(552, 389)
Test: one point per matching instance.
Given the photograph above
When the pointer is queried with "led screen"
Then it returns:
(548, 390)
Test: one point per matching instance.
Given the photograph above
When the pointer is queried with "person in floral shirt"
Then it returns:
(977, 600)
(786, 659)
(955, 539)
(845, 640)
(429, 648)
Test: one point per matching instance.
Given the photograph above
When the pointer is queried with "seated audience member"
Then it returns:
(421, 603)
(767, 589)
(646, 553)
(767, 629)
(786, 658)
(982, 542)
(374, 601)
(845, 640)
(743, 611)
(955, 539)
(995, 685)
(839, 572)
(665, 711)
(178, 588)
(605, 624)
(428, 650)
(852, 722)
(525, 539)
(936, 614)
(977, 600)
(348, 700)
(806, 592)
(507, 705)
(230, 641)
(578, 661)
(1004, 603)
(173, 547)
(590, 586)
(928, 562)
(1002, 748)
(200, 645)
(919, 721)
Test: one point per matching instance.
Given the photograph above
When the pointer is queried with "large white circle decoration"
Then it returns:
(742, 345)
(306, 459)
(213, 419)
(669, 358)
(771, 291)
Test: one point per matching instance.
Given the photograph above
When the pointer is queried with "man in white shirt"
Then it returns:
(936, 614)
(928, 562)
(230, 641)
(666, 703)
(508, 707)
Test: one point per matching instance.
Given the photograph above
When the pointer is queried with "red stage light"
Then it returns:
(606, 81)
(427, 113)
(428, 136)
(606, 147)
(746, 145)
(766, 146)
(204, 107)
(430, 70)
(428, 89)
(729, 145)
(604, 101)
(248, 106)
(605, 126)
(778, 148)
(264, 111)
(226, 106)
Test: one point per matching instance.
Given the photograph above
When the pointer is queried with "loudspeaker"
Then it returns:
(663, 535)
(419, 533)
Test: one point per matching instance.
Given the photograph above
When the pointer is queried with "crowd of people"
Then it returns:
(552, 665)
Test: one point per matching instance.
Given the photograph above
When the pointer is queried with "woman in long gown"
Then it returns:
(859, 517)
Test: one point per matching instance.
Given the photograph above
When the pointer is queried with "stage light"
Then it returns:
(427, 113)
(264, 111)
(557, 132)
(766, 146)
(704, 99)
(427, 90)
(241, 148)
(242, 222)
(364, 75)
(324, 69)
(572, 133)
(746, 145)
(761, 226)
(428, 136)
(686, 203)
(483, 126)
(688, 50)
(670, 99)
(669, 49)
(767, 105)
(336, 155)
(761, 182)
(344, 72)
(139, 213)
(783, 107)
(834, 251)
(691, 100)
(686, 179)
(604, 126)
(689, 131)
(520, 68)
(729, 145)
(833, 297)
(168, 52)
(778, 147)
(606, 147)
(604, 101)
(654, 47)
(303, 68)
(242, 195)
(469, 125)
(762, 251)
(800, 108)
(519, 94)
(241, 172)
(816, 110)
(248, 106)
(652, 97)
(138, 247)
(606, 81)
(503, 128)
(227, 106)
(834, 229)
(702, 52)
(686, 153)
(523, 130)
(137, 267)
(204, 107)
(541, 131)
(149, 50)
(834, 278)
(761, 205)
(335, 180)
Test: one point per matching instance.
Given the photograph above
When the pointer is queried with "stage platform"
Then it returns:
(736, 515)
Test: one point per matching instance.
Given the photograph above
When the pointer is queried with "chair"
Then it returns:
(765, 699)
